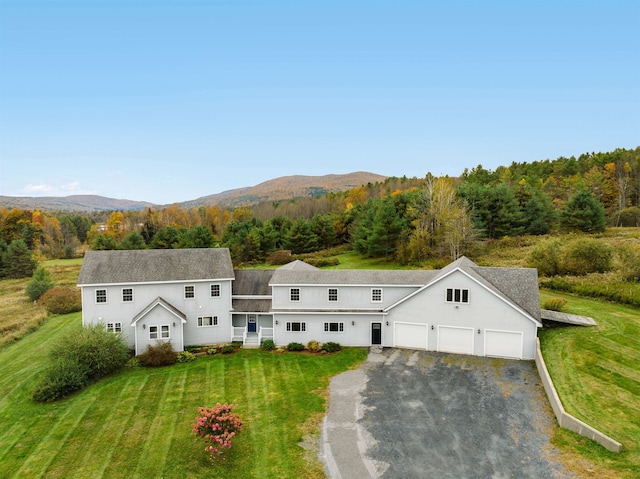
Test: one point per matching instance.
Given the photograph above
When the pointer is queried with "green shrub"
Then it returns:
(212, 351)
(629, 217)
(61, 379)
(161, 354)
(629, 263)
(268, 345)
(185, 357)
(587, 255)
(554, 304)
(40, 283)
(295, 347)
(314, 346)
(321, 262)
(62, 300)
(280, 257)
(546, 257)
(227, 349)
(331, 347)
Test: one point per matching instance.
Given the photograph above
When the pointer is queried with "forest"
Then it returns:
(406, 220)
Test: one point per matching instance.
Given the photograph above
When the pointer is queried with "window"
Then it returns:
(207, 321)
(215, 290)
(333, 294)
(189, 292)
(114, 327)
(127, 295)
(101, 295)
(457, 295)
(376, 295)
(294, 294)
(333, 327)
(163, 331)
(296, 327)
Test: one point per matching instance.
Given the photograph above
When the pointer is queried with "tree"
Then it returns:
(40, 283)
(584, 213)
(103, 242)
(301, 238)
(217, 425)
(165, 238)
(325, 231)
(382, 226)
(18, 261)
(198, 237)
(133, 240)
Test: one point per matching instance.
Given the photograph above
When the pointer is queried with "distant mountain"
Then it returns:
(72, 203)
(279, 189)
(286, 188)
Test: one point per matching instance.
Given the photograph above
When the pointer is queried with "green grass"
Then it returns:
(138, 423)
(596, 372)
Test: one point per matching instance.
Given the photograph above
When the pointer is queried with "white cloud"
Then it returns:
(56, 189)
(38, 188)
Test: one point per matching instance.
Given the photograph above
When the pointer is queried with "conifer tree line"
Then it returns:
(402, 219)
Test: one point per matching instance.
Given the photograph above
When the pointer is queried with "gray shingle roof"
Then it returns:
(253, 282)
(297, 265)
(356, 277)
(159, 302)
(142, 266)
(251, 305)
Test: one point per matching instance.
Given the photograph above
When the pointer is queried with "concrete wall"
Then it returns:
(565, 419)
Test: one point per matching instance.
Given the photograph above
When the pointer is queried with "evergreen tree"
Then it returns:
(584, 213)
(103, 242)
(165, 238)
(300, 238)
(18, 261)
(133, 240)
(323, 228)
(40, 283)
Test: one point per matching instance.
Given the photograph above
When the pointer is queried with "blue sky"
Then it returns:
(171, 100)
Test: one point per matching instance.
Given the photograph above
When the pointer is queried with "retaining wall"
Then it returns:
(565, 419)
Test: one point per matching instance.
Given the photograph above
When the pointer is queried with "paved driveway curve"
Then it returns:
(419, 414)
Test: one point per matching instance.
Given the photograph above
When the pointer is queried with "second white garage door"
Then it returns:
(455, 340)
(503, 344)
(410, 335)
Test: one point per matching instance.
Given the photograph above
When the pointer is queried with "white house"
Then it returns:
(194, 297)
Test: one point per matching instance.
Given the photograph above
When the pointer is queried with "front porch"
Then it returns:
(251, 329)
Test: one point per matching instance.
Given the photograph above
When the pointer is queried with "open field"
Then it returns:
(596, 372)
(138, 423)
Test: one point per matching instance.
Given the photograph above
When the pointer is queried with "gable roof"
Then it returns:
(298, 265)
(155, 265)
(251, 292)
(361, 277)
(159, 302)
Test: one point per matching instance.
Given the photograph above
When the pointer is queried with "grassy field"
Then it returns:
(597, 374)
(138, 423)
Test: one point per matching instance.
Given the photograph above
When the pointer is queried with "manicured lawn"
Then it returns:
(138, 423)
(597, 374)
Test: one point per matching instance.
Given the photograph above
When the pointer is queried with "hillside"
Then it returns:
(286, 188)
(72, 203)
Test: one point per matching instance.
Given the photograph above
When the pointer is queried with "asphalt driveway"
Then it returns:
(419, 414)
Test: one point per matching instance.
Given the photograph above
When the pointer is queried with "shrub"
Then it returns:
(321, 262)
(629, 263)
(40, 283)
(227, 349)
(218, 426)
(161, 354)
(268, 345)
(629, 217)
(331, 347)
(545, 256)
(555, 304)
(295, 347)
(185, 357)
(314, 346)
(280, 257)
(211, 351)
(61, 379)
(587, 255)
(61, 300)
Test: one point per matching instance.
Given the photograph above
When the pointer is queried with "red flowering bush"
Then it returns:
(217, 425)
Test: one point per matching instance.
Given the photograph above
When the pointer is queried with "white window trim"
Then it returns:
(214, 321)
(453, 295)
(114, 327)
(327, 327)
(159, 332)
(291, 295)
(106, 296)
(329, 295)
(193, 289)
(218, 288)
(303, 327)
(381, 295)
(122, 296)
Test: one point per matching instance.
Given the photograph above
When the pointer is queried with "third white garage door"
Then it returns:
(503, 344)
(410, 335)
(455, 340)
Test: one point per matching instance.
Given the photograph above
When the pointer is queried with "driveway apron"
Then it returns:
(420, 414)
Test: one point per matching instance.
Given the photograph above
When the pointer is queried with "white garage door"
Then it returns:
(409, 335)
(455, 340)
(503, 344)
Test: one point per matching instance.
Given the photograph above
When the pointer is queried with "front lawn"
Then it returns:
(138, 422)
(596, 372)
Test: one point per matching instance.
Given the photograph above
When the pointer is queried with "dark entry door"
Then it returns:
(376, 333)
(252, 323)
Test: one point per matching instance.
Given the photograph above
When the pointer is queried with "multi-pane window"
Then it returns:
(294, 294)
(333, 327)
(127, 295)
(161, 332)
(153, 332)
(455, 295)
(207, 321)
(101, 295)
(189, 292)
(376, 295)
(296, 327)
(114, 327)
(333, 294)
(215, 290)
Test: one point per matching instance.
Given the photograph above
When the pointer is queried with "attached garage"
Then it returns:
(453, 339)
(503, 344)
(410, 335)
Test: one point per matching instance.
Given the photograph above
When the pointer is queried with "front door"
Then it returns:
(251, 327)
(376, 333)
